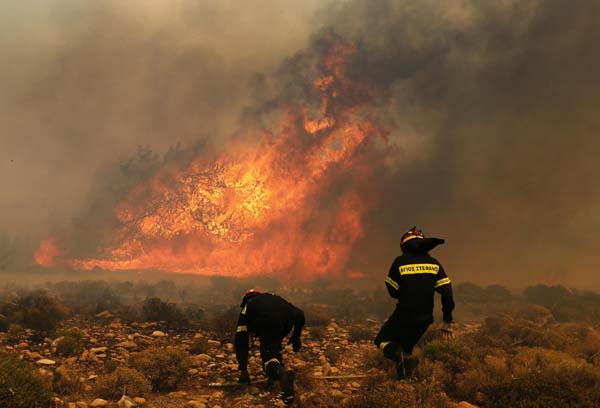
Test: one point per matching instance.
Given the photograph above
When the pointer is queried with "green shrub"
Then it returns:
(123, 381)
(4, 323)
(155, 310)
(71, 344)
(395, 394)
(223, 323)
(38, 312)
(15, 334)
(199, 346)
(165, 368)
(316, 318)
(20, 384)
(565, 387)
(373, 358)
(358, 333)
(453, 354)
(66, 382)
(318, 333)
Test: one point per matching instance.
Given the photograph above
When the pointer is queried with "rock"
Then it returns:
(58, 402)
(46, 362)
(217, 395)
(140, 400)
(97, 350)
(104, 315)
(81, 404)
(204, 357)
(99, 402)
(126, 402)
(194, 404)
(158, 333)
(178, 394)
(129, 345)
(337, 394)
(465, 404)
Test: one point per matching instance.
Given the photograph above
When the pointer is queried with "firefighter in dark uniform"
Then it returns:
(270, 318)
(413, 278)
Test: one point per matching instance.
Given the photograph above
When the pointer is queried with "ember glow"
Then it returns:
(291, 202)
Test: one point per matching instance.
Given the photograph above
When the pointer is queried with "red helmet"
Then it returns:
(250, 293)
(412, 233)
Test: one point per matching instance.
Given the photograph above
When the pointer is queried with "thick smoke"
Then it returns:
(502, 99)
(492, 106)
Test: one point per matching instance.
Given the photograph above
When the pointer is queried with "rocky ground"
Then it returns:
(331, 369)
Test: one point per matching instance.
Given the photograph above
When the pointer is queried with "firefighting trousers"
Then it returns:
(270, 353)
(398, 334)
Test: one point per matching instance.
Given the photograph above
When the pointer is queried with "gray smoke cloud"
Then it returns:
(491, 104)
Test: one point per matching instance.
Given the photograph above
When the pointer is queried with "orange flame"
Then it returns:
(270, 207)
(47, 253)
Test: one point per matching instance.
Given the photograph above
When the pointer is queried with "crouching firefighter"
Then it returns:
(270, 318)
(413, 278)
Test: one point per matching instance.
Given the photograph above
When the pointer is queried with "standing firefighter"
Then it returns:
(271, 318)
(413, 278)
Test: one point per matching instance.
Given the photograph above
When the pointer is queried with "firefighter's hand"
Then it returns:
(447, 330)
(244, 377)
(296, 344)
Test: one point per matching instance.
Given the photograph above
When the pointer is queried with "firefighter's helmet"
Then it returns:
(413, 233)
(250, 293)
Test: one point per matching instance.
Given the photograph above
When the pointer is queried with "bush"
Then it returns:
(71, 344)
(38, 312)
(316, 318)
(20, 384)
(373, 358)
(66, 382)
(551, 387)
(395, 394)
(165, 368)
(358, 333)
(318, 333)
(16, 333)
(199, 346)
(123, 381)
(224, 323)
(453, 354)
(155, 310)
(528, 377)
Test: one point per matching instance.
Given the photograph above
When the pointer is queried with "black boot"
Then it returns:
(406, 365)
(287, 386)
(410, 366)
(286, 379)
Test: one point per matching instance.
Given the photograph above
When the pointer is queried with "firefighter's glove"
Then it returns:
(447, 330)
(244, 377)
(296, 343)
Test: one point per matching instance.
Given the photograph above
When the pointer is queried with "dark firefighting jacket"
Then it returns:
(413, 279)
(268, 316)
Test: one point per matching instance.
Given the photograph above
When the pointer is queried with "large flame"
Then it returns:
(47, 253)
(291, 202)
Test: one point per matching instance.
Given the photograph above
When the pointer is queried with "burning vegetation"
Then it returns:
(292, 199)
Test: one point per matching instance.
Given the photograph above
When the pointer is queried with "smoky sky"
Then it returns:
(491, 109)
